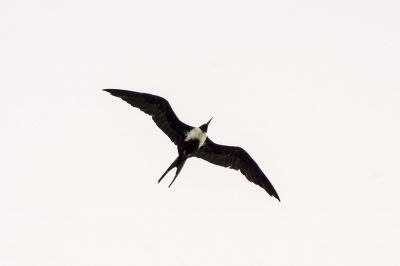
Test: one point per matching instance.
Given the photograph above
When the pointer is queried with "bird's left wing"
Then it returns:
(159, 109)
(238, 159)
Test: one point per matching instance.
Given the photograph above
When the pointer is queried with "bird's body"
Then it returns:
(193, 141)
(198, 135)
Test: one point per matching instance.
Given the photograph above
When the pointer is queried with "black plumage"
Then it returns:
(159, 109)
(191, 142)
(238, 159)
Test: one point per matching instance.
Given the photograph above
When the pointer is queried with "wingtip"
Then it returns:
(275, 195)
(115, 92)
(120, 93)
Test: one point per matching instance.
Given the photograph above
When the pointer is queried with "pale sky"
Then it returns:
(311, 89)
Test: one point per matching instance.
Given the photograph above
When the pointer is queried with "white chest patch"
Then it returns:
(197, 133)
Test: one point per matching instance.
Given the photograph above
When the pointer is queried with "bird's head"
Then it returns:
(204, 127)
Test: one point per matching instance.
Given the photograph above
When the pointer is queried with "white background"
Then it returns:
(310, 89)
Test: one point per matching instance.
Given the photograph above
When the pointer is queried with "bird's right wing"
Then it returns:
(238, 159)
(159, 109)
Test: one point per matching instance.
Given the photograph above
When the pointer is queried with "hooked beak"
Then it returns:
(209, 121)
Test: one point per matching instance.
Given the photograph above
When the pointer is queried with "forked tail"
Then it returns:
(178, 163)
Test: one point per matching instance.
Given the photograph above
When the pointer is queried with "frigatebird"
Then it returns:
(193, 141)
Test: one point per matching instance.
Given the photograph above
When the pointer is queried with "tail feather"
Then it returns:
(179, 167)
(174, 164)
(178, 163)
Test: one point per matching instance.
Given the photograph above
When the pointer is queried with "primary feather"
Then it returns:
(238, 159)
(159, 109)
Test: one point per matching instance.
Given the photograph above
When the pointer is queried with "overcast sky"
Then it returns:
(311, 89)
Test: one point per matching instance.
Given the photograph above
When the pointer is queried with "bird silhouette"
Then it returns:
(193, 141)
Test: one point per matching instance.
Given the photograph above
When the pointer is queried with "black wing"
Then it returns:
(238, 159)
(159, 109)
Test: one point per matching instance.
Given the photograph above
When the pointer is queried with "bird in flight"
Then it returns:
(193, 141)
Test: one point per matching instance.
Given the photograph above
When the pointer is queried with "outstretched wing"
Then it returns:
(238, 159)
(159, 109)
